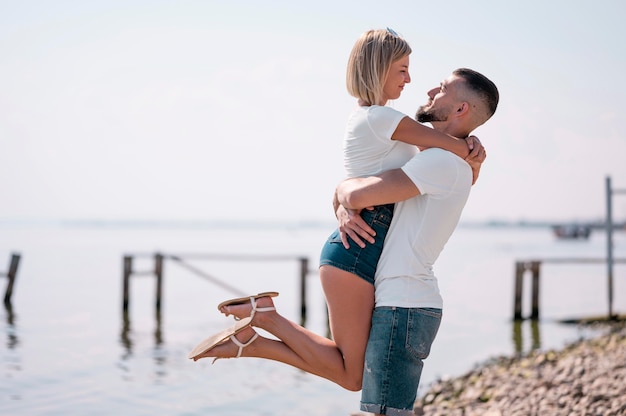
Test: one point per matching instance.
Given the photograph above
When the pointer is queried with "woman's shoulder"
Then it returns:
(382, 109)
(378, 112)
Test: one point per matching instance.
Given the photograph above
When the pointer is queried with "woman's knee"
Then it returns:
(353, 382)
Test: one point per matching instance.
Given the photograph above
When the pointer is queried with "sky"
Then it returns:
(214, 110)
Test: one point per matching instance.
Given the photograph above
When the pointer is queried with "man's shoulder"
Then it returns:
(437, 167)
(438, 156)
(437, 152)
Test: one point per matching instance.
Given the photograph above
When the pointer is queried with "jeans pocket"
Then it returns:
(422, 329)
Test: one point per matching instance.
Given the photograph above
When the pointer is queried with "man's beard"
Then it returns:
(427, 114)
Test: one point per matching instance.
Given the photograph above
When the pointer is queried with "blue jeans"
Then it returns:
(399, 341)
(356, 260)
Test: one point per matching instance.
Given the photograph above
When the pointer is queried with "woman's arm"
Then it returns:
(412, 132)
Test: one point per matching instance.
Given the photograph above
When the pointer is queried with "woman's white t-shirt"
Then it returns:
(368, 148)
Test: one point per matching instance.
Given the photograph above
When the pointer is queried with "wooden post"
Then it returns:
(304, 270)
(125, 335)
(535, 267)
(128, 269)
(520, 267)
(158, 271)
(535, 335)
(609, 243)
(11, 275)
(518, 338)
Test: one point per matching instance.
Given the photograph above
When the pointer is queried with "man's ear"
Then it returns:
(462, 108)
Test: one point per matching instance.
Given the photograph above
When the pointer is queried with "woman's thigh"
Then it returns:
(350, 301)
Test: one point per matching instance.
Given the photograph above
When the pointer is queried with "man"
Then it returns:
(431, 191)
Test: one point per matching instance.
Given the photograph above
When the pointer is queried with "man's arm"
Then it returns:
(353, 195)
(389, 187)
(386, 188)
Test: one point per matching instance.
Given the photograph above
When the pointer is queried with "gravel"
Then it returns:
(586, 378)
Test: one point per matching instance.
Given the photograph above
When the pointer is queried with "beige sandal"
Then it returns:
(240, 344)
(252, 300)
(216, 339)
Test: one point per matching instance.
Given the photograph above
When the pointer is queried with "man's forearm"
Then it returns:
(388, 187)
(336, 203)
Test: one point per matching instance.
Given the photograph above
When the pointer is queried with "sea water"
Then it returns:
(69, 350)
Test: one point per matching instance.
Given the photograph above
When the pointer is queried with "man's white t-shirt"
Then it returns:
(420, 228)
(368, 148)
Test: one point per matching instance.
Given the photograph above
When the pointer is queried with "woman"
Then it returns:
(377, 138)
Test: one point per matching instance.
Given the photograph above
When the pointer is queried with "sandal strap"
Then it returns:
(242, 345)
(255, 309)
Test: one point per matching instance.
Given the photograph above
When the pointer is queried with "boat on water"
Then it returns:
(572, 231)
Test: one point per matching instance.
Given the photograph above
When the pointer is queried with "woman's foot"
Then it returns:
(232, 347)
(254, 308)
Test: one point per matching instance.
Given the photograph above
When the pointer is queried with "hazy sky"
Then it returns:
(203, 110)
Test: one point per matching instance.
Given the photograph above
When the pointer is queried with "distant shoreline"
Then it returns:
(266, 224)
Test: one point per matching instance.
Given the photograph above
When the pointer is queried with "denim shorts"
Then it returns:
(356, 260)
(400, 339)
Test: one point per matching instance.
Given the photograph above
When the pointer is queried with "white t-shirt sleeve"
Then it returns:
(384, 120)
(434, 171)
(368, 148)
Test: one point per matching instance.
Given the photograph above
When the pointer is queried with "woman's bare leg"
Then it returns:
(272, 349)
(350, 302)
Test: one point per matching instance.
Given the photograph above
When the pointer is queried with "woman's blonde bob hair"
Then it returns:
(369, 63)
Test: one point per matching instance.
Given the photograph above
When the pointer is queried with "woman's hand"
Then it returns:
(352, 225)
(476, 157)
(477, 151)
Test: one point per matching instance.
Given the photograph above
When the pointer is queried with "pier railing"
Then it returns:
(534, 268)
(181, 259)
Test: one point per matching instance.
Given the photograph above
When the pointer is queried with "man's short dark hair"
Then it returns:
(481, 85)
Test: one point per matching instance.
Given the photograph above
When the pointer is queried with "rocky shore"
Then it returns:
(585, 378)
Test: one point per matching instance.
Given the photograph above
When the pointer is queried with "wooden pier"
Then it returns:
(180, 259)
(534, 268)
